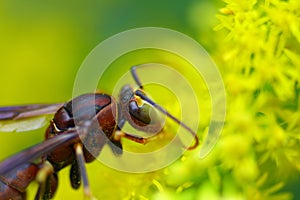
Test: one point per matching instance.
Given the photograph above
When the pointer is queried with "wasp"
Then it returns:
(92, 119)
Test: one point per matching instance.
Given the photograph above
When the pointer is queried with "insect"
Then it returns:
(95, 119)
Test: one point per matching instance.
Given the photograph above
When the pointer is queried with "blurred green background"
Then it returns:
(44, 43)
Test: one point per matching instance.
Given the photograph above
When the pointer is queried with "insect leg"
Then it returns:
(82, 169)
(138, 139)
(47, 180)
(75, 175)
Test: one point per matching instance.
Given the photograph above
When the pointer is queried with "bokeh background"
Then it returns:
(256, 47)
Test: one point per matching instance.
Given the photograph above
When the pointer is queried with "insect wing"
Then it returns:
(26, 118)
(36, 151)
(20, 112)
(22, 125)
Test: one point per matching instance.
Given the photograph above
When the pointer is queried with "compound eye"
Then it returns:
(143, 116)
(141, 113)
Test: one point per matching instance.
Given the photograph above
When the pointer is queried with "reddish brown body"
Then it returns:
(86, 108)
(97, 109)
(13, 185)
(79, 130)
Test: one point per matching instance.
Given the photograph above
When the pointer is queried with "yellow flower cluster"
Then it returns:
(258, 154)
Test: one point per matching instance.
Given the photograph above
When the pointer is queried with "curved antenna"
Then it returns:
(135, 77)
(161, 109)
